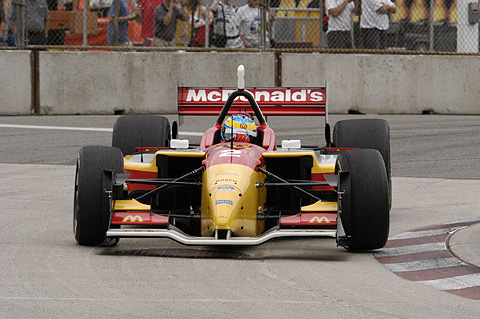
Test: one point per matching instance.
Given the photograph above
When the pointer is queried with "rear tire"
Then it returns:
(363, 200)
(132, 131)
(366, 133)
(91, 208)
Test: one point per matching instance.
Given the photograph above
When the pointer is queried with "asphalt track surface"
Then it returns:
(45, 274)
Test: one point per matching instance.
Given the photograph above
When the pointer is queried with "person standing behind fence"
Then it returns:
(374, 22)
(165, 19)
(147, 7)
(2, 19)
(224, 24)
(248, 23)
(198, 22)
(37, 21)
(340, 22)
(124, 17)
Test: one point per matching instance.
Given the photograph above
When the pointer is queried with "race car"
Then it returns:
(238, 187)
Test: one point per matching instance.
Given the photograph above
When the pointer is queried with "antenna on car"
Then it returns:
(241, 77)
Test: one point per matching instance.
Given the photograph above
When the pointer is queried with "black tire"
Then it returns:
(91, 208)
(366, 133)
(363, 200)
(133, 131)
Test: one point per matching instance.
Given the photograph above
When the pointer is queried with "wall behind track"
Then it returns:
(15, 83)
(146, 82)
(403, 84)
(138, 82)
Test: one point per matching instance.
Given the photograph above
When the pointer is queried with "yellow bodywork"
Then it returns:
(231, 200)
(130, 204)
(320, 207)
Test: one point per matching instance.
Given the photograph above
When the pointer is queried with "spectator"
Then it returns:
(316, 4)
(2, 18)
(198, 22)
(374, 22)
(224, 24)
(165, 19)
(37, 21)
(248, 24)
(147, 7)
(124, 17)
(340, 22)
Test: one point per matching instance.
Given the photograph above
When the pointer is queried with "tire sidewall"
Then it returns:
(364, 200)
(91, 213)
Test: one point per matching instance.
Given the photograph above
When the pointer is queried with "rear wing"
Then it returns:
(264, 101)
(272, 101)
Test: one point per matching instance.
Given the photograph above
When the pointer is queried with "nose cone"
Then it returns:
(232, 200)
(226, 203)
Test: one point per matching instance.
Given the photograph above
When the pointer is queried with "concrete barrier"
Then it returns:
(146, 82)
(393, 84)
(15, 83)
(139, 82)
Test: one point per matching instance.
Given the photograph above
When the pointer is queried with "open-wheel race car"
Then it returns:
(237, 187)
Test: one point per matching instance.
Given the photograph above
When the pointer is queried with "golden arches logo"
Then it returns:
(319, 220)
(133, 219)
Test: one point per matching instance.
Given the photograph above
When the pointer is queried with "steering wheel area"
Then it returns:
(251, 100)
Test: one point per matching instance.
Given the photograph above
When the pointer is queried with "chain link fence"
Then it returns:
(419, 25)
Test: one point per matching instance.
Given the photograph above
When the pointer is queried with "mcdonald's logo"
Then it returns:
(319, 220)
(133, 219)
(243, 125)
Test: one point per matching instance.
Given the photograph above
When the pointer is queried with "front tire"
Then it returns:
(363, 203)
(91, 208)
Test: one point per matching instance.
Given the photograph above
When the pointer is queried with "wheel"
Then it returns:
(133, 131)
(366, 133)
(91, 208)
(364, 212)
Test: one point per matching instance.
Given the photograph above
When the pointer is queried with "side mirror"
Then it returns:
(287, 144)
(176, 143)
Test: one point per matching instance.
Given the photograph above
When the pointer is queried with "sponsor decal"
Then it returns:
(319, 220)
(224, 201)
(225, 188)
(230, 153)
(226, 180)
(133, 219)
(314, 96)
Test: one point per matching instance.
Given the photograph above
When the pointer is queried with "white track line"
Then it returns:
(453, 283)
(424, 233)
(72, 128)
(65, 128)
(413, 249)
(427, 264)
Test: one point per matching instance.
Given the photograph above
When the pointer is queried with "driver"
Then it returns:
(239, 127)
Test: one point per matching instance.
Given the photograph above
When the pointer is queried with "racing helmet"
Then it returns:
(239, 127)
